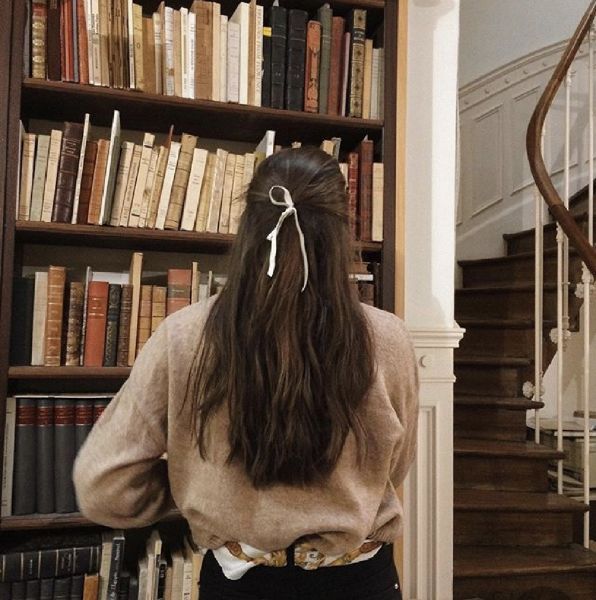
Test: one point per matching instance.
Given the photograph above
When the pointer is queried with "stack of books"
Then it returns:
(42, 436)
(103, 321)
(278, 58)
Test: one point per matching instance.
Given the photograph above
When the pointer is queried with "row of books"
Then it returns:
(42, 436)
(103, 321)
(277, 58)
(68, 177)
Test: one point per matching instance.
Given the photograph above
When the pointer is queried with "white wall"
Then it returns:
(496, 32)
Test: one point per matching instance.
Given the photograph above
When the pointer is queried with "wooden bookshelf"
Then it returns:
(29, 99)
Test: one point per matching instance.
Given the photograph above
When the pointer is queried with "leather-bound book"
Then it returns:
(83, 420)
(353, 192)
(62, 588)
(23, 499)
(32, 589)
(325, 17)
(97, 308)
(99, 174)
(76, 298)
(124, 326)
(356, 84)
(45, 455)
(144, 329)
(158, 306)
(64, 453)
(21, 331)
(266, 82)
(337, 42)
(39, 24)
(204, 49)
(83, 43)
(365, 160)
(99, 406)
(54, 316)
(87, 182)
(179, 287)
(77, 586)
(53, 51)
(278, 17)
(311, 71)
(67, 172)
(176, 206)
(46, 589)
(296, 55)
(111, 348)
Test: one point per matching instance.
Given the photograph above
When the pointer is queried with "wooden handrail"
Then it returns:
(534, 145)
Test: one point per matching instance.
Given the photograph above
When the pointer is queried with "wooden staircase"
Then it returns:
(514, 538)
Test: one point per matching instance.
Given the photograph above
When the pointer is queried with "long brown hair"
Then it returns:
(291, 367)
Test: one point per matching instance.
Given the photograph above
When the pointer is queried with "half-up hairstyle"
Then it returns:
(290, 367)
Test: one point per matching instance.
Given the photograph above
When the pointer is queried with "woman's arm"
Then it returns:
(120, 478)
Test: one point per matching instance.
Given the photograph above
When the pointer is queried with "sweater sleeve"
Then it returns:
(120, 477)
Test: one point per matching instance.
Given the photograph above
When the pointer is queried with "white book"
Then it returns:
(343, 167)
(51, 175)
(226, 197)
(377, 202)
(345, 75)
(20, 150)
(130, 185)
(154, 546)
(374, 91)
(168, 28)
(111, 168)
(77, 192)
(126, 153)
(40, 302)
(131, 46)
(95, 44)
(177, 574)
(192, 49)
(215, 55)
(27, 168)
(265, 148)
(148, 188)
(257, 100)
(158, 39)
(187, 579)
(381, 82)
(39, 177)
(223, 59)
(217, 191)
(233, 69)
(8, 458)
(184, 50)
(107, 541)
(166, 190)
(242, 17)
(237, 204)
(137, 199)
(88, 276)
(89, 24)
(193, 191)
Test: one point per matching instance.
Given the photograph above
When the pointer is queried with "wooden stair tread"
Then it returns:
(491, 361)
(495, 561)
(512, 287)
(508, 259)
(503, 449)
(495, 322)
(497, 402)
(491, 500)
(583, 216)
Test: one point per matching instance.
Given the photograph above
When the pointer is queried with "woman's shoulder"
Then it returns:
(389, 332)
(186, 324)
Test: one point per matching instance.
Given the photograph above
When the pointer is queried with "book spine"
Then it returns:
(377, 202)
(353, 191)
(204, 49)
(67, 172)
(168, 51)
(180, 182)
(77, 584)
(193, 190)
(101, 163)
(158, 45)
(27, 168)
(297, 20)
(104, 45)
(135, 276)
(115, 572)
(237, 189)
(177, 54)
(217, 191)
(45, 455)
(39, 177)
(97, 308)
(46, 589)
(147, 194)
(83, 421)
(24, 458)
(65, 39)
(144, 328)
(226, 202)
(223, 59)
(87, 182)
(311, 71)
(160, 171)
(54, 315)
(39, 318)
(336, 66)
(75, 41)
(279, 28)
(81, 164)
(130, 185)
(266, 82)
(191, 53)
(39, 24)
(183, 49)
(179, 286)
(141, 180)
(113, 317)
(21, 332)
(137, 15)
(83, 45)
(325, 17)
(121, 182)
(365, 189)
(258, 40)
(345, 61)
(98, 407)
(75, 321)
(107, 191)
(233, 80)
(53, 51)
(32, 588)
(149, 55)
(8, 457)
(215, 50)
(367, 79)
(158, 306)
(62, 588)
(358, 39)
(64, 454)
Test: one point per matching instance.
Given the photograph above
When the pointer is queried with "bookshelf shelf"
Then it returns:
(59, 101)
(68, 373)
(33, 232)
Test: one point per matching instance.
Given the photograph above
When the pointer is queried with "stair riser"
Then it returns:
(525, 242)
(516, 271)
(489, 423)
(489, 341)
(513, 529)
(491, 381)
(576, 586)
(506, 474)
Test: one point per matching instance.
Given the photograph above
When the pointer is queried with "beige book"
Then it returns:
(160, 171)
(252, 42)
(145, 316)
(130, 185)
(242, 18)
(237, 205)
(137, 199)
(111, 168)
(93, 42)
(158, 306)
(79, 179)
(184, 51)
(137, 15)
(223, 59)
(177, 48)
(233, 67)
(104, 41)
(249, 169)
(203, 212)
(167, 28)
(51, 175)
(148, 188)
(217, 191)
(158, 48)
(193, 192)
(149, 69)
(166, 189)
(136, 270)
(40, 302)
(39, 176)
(258, 41)
(296, 144)
(27, 168)
(343, 167)
(377, 202)
(226, 197)
(130, 23)
(367, 86)
(180, 183)
(191, 49)
(126, 154)
(194, 283)
(328, 146)
(216, 52)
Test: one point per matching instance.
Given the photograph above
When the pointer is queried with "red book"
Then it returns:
(365, 151)
(179, 286)
(353, 191)
(336, 70)
(53, 46)
(83, 43)
(313, 63)
(97, 316)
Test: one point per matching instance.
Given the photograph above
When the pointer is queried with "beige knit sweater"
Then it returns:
(121, 480)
